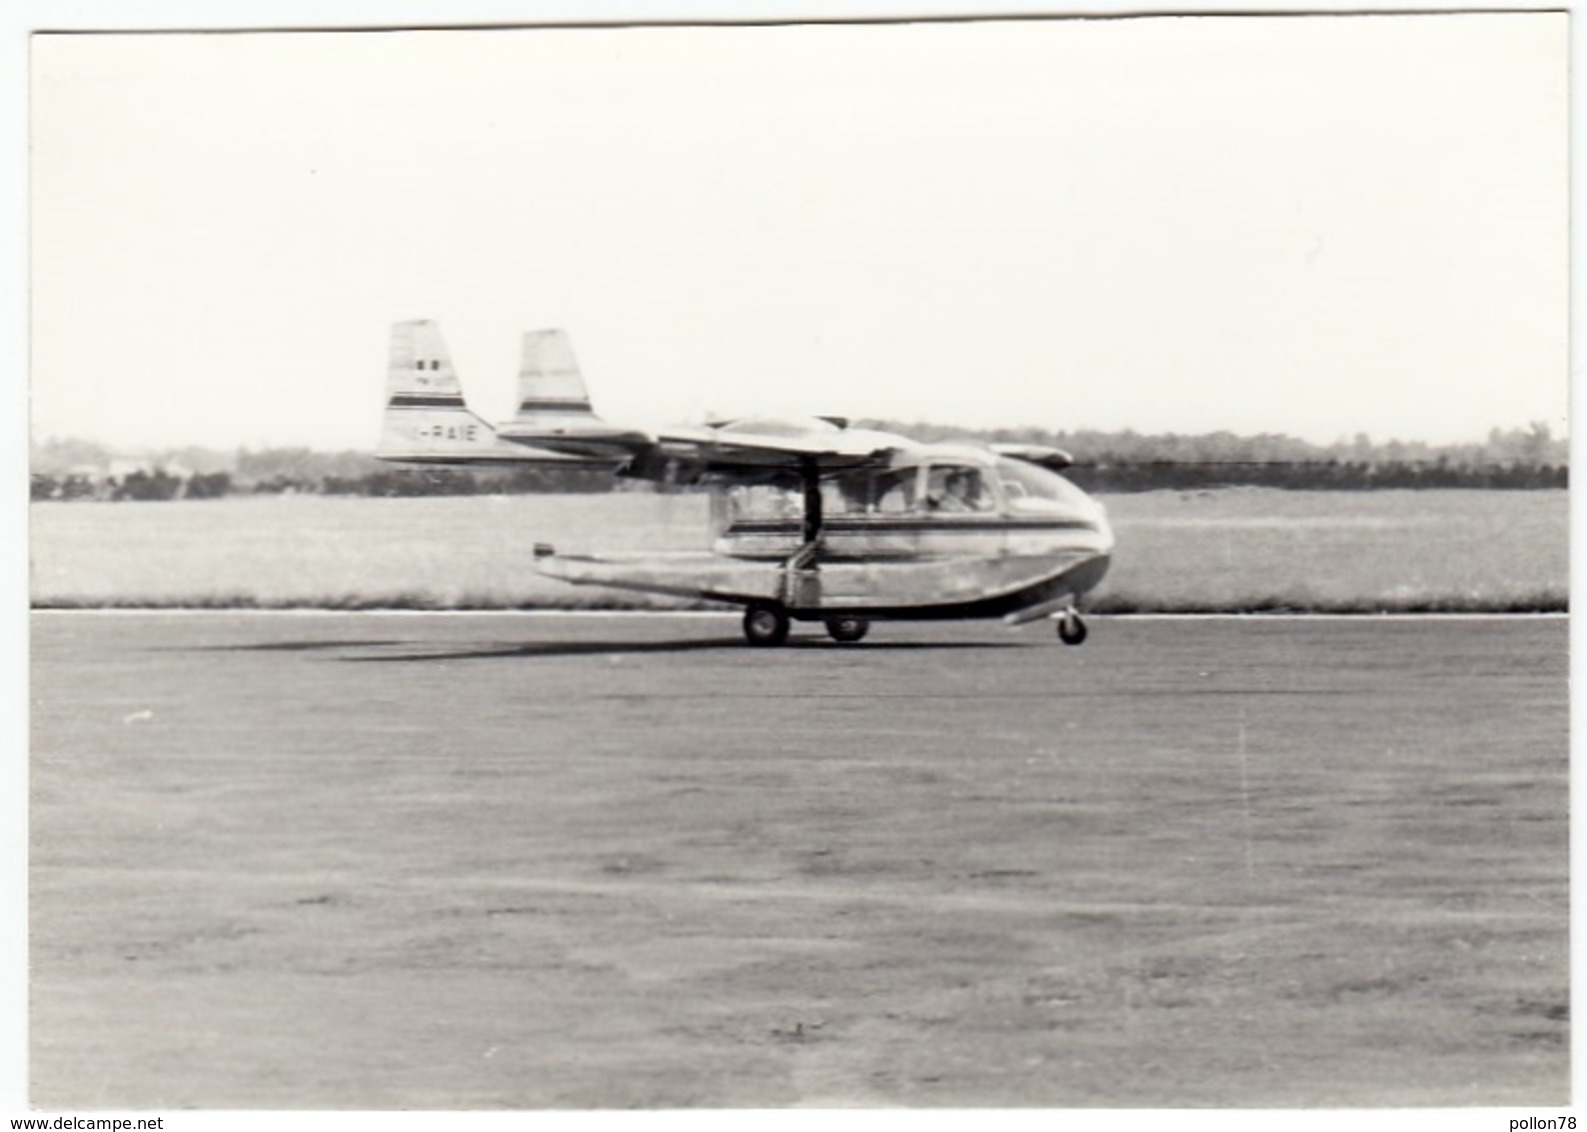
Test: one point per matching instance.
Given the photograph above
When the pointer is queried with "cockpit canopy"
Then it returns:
(936, 484)
(1027, 487)
(925, 483)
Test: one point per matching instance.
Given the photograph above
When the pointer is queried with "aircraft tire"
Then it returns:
(765, 625)
(847, 629)
(1072, 630)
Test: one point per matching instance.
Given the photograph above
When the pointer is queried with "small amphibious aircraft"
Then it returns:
(813, 520)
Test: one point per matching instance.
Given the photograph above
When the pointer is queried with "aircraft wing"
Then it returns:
(754, 446)
(684, 453)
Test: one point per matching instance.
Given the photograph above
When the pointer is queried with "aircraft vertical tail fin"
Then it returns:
(551, 391)
(426, 418)
(554, 406)
(420, 365)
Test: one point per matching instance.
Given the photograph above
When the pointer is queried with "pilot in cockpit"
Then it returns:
(956, 489)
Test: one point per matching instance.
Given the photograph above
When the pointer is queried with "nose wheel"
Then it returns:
(1071, 629)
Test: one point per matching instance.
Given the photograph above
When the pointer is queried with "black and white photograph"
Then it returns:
(795, 557)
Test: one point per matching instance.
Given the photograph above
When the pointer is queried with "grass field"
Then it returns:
(1232, 550)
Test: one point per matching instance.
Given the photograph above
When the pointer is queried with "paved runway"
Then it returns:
(320, 861)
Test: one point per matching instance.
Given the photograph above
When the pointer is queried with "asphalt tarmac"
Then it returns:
(293, 861)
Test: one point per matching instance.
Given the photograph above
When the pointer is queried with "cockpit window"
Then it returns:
(893, 491)
(867, 491)
(953, 488)
(910, 490)
(760, 501)
(1029, 488)
(1009, 485)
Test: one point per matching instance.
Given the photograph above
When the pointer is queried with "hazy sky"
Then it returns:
(1317, 226)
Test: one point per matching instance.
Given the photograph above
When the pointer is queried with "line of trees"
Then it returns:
(1331, 475)
(140, 485)
(1532, 446)
(158, 484)
(1516, 459)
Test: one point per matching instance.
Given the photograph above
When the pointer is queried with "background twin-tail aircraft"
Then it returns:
(812, 520)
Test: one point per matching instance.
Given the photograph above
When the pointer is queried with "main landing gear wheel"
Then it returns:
(1071, 630)
(847, 629)
(765, 625)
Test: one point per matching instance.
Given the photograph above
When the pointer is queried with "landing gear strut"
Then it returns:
(765, 624)
(1071, 629)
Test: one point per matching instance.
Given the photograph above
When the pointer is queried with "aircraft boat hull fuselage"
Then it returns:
(995, 556)
(949, 588)
(905, 571)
